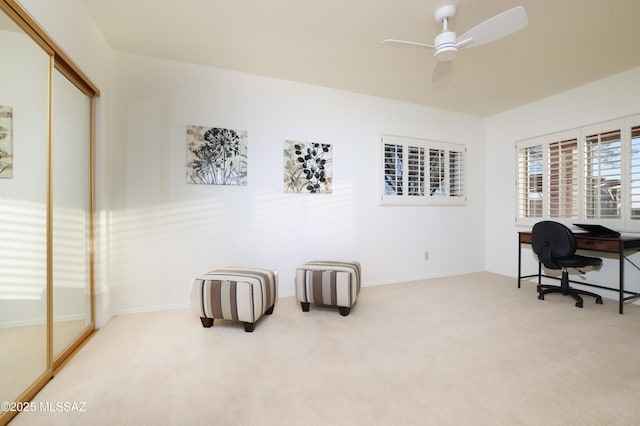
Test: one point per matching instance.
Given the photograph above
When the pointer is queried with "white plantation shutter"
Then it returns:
(529, 175)
(392, 169)
(563, 179)
(436, 173)
(585, 175)
(417, 170)
(422, 172)
(634, 187)
(456, 174)
(603, 175)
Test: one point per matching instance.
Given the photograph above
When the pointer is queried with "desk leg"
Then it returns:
(621, 279)
(539, 273)
(519, 261)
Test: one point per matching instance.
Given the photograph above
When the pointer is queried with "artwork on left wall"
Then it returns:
(6, 142)
(216, 156)
(308, 167)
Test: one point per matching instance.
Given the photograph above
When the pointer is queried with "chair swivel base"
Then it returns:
(567, 290)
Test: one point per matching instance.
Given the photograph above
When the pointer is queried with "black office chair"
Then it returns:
(555, 246)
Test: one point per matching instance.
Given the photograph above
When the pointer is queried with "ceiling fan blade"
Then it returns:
(404, 43)
(501, 25)
(441, 70)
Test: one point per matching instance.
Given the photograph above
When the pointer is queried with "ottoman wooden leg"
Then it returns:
(344, 311)
(206, 322)
(249, 326)
(305, 306)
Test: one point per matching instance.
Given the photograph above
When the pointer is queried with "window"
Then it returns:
(530, 181)
(422, 172)
(416, 171)
(393, 169)
(456, 173)
(582, 175)
(603, 175)
(634, 187)
(563, 179)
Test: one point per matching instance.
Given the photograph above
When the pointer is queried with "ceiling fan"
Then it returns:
(447, 43)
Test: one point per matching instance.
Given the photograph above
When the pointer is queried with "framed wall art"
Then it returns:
(6, 142)
(308, 167)
(216, 156)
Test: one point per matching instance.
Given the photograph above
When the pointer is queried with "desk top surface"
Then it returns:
(586, 241)
(623, 237)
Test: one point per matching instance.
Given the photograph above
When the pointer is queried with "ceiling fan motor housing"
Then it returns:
(445, 46)
(445, 12)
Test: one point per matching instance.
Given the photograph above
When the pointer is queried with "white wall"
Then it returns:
(603, 100)
(155, 232)
(165, 231)
(169, 231)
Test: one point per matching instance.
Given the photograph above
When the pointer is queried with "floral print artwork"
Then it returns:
(216, 156)
(307, 167)
(6, 142)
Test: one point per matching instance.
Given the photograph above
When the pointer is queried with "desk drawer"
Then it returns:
(525, 237)
(592, 243)
(611, 245)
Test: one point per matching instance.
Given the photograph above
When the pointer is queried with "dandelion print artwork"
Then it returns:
(216, 156)
(307, 167)
(6, 142)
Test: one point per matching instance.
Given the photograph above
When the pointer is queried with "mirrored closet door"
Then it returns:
(71, 197)
(24, 109)
(46, 208)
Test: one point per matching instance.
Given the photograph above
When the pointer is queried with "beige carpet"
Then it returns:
(23, 353)
(465, 350)
(23, 358)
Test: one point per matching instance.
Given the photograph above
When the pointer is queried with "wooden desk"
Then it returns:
(618, 245)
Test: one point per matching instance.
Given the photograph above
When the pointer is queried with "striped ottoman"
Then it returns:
(236, 294)
(328, 282)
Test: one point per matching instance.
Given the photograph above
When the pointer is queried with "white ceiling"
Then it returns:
(336, 43)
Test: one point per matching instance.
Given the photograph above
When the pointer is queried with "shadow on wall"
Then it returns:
(163, 244)
(23, 263)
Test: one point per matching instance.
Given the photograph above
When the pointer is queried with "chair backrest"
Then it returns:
(551, 240)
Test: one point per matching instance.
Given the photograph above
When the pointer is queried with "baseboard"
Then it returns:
(416, 278)
(291, 293)
(39, 321)
(154, 308)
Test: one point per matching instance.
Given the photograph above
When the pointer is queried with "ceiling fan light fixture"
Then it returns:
(446, 54)
(446, 48)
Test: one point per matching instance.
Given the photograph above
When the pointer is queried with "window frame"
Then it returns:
(410, 178)
(544, 142)
(625, 222)
(599, 130)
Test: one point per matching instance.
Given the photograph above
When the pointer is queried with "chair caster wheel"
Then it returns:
(541, 296)
(579, 305)
(599, 301)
